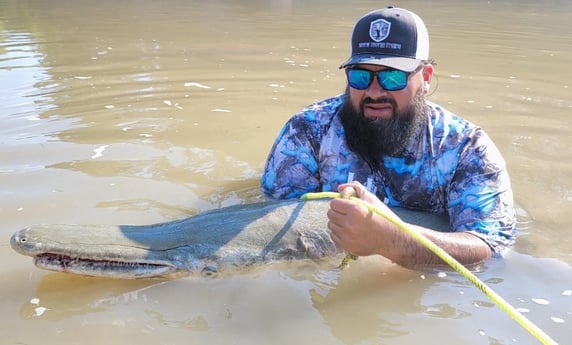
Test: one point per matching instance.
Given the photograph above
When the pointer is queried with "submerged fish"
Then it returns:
(227, 239)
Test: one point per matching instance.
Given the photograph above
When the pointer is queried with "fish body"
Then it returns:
(221, 240)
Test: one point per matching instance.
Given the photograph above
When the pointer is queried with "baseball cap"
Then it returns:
(392, 37)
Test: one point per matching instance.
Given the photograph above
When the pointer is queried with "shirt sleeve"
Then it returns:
(292, 164)
(480, 198)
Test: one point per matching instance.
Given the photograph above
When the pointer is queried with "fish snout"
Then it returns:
(20, 243)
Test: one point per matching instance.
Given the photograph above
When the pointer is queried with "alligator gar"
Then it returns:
(226, 239)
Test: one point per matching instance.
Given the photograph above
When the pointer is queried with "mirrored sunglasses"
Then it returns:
(388, 79)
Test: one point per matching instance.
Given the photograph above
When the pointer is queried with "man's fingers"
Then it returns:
(335, 238)
(348, 192)
(336, 232)
(338, 206)
(358, 187)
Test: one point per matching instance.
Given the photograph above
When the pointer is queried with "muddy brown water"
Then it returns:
(148, 111)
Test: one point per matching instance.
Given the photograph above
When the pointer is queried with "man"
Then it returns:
(384, 139)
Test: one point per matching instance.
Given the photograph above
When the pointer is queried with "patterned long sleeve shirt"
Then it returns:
(454, 168)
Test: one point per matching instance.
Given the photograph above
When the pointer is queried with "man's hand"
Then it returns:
(354, 227)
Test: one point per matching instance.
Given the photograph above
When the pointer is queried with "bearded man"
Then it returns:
(382, 137)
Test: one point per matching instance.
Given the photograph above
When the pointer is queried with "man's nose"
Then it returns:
(375, 90)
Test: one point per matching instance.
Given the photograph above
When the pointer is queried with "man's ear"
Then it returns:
(427, 76)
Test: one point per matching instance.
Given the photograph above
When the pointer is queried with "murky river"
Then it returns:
(148, 111)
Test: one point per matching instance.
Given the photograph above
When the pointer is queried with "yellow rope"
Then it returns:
(456, 265)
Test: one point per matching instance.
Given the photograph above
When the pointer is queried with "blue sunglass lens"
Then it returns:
(392, 80)
(359, 79)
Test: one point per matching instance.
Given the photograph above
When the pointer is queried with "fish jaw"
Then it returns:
(133, 263)
(103, 268)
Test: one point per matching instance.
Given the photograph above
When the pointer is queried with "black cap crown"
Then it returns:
(392, 37)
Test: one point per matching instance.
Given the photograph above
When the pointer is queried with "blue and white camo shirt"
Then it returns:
(457, 169)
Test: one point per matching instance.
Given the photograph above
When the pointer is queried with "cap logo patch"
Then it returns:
(379, 30)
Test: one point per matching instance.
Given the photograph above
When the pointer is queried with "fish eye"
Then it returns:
(209, 271)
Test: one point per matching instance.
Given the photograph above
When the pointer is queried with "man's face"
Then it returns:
(376, 102)
(381, 123)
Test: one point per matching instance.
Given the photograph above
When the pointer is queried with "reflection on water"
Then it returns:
(21, 76)
(147, 111)
(60, 296)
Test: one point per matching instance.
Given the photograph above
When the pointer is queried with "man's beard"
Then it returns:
(375, 138)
